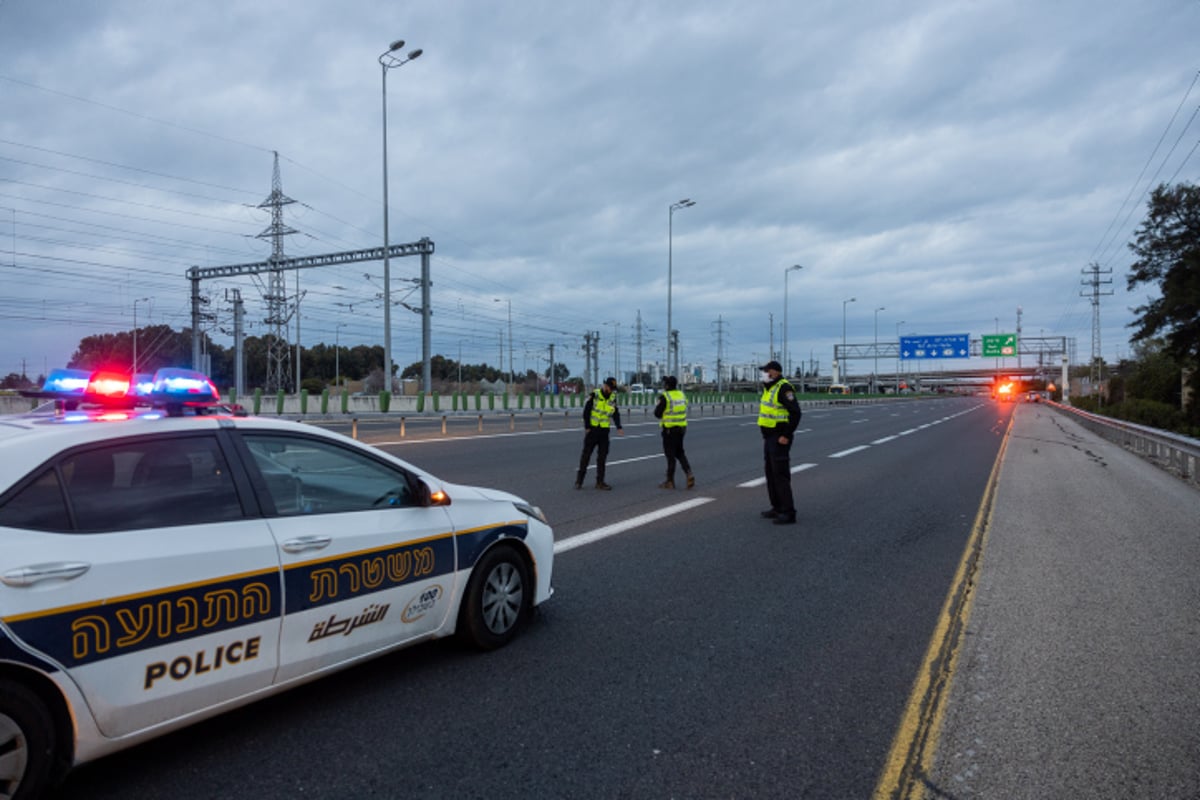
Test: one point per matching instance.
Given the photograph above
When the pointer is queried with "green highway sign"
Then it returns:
(1001, 345)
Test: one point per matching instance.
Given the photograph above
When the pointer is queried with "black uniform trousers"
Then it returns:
(777, 466)
(594, 439)
(672, 439)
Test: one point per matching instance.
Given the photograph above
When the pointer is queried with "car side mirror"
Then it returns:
(433, 497)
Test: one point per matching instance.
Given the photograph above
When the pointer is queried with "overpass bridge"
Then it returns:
(1037, 357)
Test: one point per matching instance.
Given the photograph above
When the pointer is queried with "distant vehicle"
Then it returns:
(839, 388)
(637, 388)
(163, 560)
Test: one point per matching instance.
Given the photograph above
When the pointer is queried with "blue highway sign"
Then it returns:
(952, 345)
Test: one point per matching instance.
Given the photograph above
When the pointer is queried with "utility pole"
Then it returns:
(595, 358)
(1095, 282)
(278, 368)
(1019, 313)
(591, 352)
(720, 349)
(239, 367)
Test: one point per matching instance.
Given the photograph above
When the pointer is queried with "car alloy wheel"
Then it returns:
(497, 600)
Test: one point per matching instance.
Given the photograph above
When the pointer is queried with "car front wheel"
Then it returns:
(26, 743)
(496, 603)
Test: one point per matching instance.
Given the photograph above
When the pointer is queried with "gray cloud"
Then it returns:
(948, 162)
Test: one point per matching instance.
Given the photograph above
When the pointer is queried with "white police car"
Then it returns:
(162, 564)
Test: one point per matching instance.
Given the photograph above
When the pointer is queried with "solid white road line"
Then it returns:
(620, 527)
(851, 451)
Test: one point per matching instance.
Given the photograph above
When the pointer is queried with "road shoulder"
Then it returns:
(1079, 675)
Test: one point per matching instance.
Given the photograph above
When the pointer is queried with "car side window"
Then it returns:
(309, 476)
(150, 483)
(38, 506)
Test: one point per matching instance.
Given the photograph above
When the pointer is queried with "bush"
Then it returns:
(1151, 413)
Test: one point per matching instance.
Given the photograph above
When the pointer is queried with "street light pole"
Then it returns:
(389, 60)
(841, 367)
(875, 372)
(671, 209)
(135, 302)
(898, 324)
(786, 366)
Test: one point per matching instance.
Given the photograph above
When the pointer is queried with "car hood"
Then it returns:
(458, 490)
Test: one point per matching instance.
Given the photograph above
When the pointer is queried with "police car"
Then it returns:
(161, 563)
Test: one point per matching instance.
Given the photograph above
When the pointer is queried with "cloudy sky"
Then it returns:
(948, 162)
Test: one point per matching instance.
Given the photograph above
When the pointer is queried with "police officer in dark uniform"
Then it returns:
(778, 416)
(671, 411)
(599, 413)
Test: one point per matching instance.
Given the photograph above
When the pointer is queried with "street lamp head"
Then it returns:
(794, 267)
(390, 59)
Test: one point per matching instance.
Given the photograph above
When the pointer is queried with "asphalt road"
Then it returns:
(700, 652)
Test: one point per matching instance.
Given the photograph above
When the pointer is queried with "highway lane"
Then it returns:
(704, 654)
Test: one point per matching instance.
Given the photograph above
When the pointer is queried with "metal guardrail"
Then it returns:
(1173, 452)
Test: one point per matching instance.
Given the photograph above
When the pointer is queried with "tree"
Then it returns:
(1153, 374)
(158, 346)
(559, 373)
(1167, 246)
(14, 380)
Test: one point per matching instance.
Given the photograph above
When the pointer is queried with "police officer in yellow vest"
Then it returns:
(778, 415)
(599, 413)
(672, 411)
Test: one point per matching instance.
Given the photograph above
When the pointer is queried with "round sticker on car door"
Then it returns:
(422, 604)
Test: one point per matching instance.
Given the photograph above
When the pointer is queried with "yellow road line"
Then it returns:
(915, 743)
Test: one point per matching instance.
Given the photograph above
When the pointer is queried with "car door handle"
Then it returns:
(36, 573)
(302, 543)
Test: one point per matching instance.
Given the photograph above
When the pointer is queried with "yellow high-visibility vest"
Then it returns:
(602, 409)
(675, 412)
(771, 413)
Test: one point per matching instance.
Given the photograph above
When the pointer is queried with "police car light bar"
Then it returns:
(172, 388)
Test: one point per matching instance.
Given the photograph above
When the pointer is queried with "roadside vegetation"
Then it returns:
(1153, 387)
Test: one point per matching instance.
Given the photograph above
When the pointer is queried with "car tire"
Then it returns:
(496, 604)
(27, 743)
